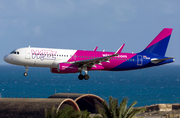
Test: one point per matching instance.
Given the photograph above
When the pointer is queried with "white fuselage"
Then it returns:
(39, 57)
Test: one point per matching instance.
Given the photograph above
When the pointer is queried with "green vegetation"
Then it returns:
(67, 112)
(108, 111)
(122, 111)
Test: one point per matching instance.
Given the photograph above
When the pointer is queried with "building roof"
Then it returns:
(84, 101)
(35, 107)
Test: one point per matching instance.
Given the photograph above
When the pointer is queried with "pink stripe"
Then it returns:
(95, 54)
(163, 34)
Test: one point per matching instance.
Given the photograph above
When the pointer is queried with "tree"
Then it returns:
(122, 111)
(67, 112)
(84, 114)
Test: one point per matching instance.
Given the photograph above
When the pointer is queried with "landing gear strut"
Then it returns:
(25, 74)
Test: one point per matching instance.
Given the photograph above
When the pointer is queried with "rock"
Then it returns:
(165, 107)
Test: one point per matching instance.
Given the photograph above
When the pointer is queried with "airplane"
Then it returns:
(63, 61)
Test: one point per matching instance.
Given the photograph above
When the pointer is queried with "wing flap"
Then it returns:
(95, 60)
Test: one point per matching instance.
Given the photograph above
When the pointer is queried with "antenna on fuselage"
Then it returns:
(29, 46)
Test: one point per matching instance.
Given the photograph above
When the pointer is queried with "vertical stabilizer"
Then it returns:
(159, 45)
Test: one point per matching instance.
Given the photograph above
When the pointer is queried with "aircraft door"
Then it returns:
(27, 54)
(139, 60)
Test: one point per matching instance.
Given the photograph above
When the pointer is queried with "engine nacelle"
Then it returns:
(65, 68)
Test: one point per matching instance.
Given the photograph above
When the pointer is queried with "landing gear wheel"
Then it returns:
(80, 77)
(25, 74)
(86, 76)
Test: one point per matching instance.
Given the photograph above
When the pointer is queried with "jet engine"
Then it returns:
(65, 68)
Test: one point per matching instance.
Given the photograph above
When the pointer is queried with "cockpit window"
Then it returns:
(14, 52)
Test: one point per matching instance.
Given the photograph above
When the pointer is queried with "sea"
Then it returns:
(147, 86)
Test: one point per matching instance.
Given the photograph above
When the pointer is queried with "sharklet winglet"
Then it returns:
(119, 50)
(95, 48)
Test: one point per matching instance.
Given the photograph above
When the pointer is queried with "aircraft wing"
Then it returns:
(92, 62)
(155, 60)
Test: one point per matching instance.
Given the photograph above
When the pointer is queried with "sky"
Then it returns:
(85, 24)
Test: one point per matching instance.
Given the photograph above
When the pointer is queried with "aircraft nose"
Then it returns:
(6, 59)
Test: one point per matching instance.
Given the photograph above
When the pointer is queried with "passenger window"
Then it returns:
(17, 52)
(14, 52)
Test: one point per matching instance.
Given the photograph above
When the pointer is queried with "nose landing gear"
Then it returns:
(25, 74)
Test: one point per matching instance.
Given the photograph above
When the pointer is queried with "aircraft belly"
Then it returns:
(131, 65)
(37, 63)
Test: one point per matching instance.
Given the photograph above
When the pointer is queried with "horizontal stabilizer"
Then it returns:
(155, 60)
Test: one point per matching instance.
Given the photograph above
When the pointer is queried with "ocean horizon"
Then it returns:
(147, 86)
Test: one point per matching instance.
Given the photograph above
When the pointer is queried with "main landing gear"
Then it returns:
(86, 76)
(25, 74)
(81, 77)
